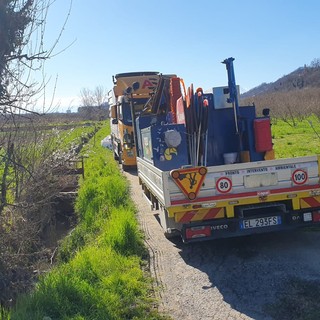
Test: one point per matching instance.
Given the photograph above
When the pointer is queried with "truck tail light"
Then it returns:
(316, 216)
(198, 232)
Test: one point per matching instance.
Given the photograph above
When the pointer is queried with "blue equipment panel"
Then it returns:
(223, 138)
(144, 122)
(156, 150)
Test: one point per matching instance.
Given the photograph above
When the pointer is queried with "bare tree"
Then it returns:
(100, 94)
(315, 63)
(86, 97)
(22, 54)
(28, 156)
(290, 106)
(94, 105)
(93, 98)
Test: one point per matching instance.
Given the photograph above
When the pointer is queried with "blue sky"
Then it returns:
(267, 38)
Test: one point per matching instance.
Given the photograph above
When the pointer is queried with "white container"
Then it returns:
(221, 96)
(230, 158)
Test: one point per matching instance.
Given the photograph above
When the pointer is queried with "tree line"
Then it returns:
(289, 106)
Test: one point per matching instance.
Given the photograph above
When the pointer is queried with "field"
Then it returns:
(301, 139)
(100, 269)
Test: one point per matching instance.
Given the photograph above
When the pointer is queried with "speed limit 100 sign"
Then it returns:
(299, 176)
(223, 185)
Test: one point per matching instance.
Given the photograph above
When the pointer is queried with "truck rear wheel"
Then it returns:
(120, 158)
(125, 168)
(172, 234)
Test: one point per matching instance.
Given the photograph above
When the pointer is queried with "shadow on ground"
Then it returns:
(268, 276)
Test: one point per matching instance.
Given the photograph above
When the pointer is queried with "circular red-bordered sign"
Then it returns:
(299, 176)
(224, 185)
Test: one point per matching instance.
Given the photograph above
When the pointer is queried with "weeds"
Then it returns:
(100, 274)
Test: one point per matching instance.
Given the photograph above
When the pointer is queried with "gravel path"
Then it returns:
(225, 279)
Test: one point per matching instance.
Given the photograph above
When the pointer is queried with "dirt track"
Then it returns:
(230, 279)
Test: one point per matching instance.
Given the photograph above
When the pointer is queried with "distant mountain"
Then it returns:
(303, 77)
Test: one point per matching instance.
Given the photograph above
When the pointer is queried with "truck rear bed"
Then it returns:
(281, 193)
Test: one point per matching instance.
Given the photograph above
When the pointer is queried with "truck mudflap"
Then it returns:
(234, 227)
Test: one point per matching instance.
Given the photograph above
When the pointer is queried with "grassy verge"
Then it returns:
(100, 274)
(299, 140)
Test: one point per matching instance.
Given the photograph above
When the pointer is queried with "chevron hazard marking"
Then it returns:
(199, 215)
(310, 202)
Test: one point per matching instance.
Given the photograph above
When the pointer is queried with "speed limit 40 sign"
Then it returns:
(299, 176)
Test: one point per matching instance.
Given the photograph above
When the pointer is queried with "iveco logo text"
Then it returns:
(220, 227)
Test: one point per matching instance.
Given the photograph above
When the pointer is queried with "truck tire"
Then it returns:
(173, 234)
(120, 158)
(125, 168)
(113, 143)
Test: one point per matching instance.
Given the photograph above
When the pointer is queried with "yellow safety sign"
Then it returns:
(189, 180)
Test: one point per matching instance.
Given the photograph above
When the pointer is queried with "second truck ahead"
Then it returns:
(208, 164)
(123, 101)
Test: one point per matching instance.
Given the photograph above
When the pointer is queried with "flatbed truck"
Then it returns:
(207, 165)
(124, 105)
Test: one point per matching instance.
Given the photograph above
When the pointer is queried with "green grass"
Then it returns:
(127, 239)
(63, 139)
(301, 140)
(100, 274)
(98, 283)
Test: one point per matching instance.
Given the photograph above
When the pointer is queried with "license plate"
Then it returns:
(260, 222)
